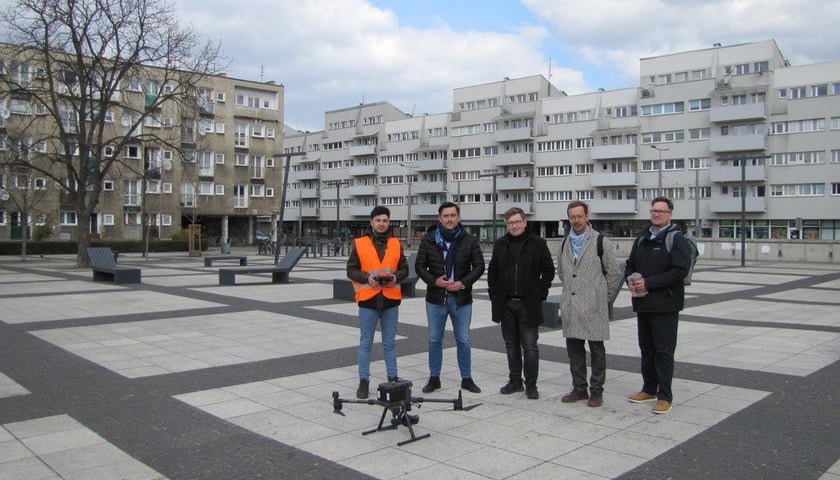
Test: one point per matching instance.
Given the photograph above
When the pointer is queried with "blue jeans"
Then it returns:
(368, 317)
(461, 317)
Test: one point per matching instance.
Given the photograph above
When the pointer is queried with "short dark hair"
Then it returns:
(665, 200)
(380, 210)
(514, 211)
(578, 203)
(449, 205)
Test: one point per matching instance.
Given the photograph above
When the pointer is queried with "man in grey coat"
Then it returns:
(589, 281)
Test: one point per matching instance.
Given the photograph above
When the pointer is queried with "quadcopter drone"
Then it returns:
(396, 398)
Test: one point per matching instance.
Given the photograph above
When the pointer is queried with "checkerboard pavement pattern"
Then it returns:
(179, 377)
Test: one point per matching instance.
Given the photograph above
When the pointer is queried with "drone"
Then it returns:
(395, 397)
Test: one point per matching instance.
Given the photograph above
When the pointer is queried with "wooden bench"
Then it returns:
(243, 259)
(105, 268)
(343, 287)
(279, 273)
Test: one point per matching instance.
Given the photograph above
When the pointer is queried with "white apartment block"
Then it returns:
(701, 128)
(217, 168)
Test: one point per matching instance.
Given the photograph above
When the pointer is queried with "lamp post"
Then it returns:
(659, 183)
(408, 208)
(337, 184)
(279, 224)
(494, 175)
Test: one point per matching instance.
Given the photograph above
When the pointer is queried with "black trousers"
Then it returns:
(658, 341)
(576, 349)
(520, 339)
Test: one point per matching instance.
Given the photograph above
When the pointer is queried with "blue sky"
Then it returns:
(334, 54)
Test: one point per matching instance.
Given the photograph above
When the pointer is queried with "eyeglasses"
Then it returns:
(659, 212)
(515, 222)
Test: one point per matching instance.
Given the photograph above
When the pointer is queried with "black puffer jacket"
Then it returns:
(663, 273)
(469, 266)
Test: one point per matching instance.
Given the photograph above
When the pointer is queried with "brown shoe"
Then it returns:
(595, 400)
(662, 406)
(574, 396)
(641, 397)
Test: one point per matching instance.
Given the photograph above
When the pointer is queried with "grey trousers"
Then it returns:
(577, 364)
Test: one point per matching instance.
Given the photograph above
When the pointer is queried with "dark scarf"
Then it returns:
(444, 236)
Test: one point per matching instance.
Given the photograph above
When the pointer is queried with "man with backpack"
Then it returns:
(656, 277)
(591, 277)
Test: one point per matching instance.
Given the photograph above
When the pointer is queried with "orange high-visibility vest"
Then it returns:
(369, 259)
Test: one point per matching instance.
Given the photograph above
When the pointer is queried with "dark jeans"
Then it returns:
(576, 349)
(520, 338)
(657, 341)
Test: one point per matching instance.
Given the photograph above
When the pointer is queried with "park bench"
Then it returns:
(208, 260)
(343, 287)
(279, 273)
(105, 267)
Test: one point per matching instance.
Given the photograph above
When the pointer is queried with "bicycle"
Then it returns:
(263, 247)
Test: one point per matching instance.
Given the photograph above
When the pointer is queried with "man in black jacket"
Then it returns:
(519, 275)
(450, 261)
(658, 295)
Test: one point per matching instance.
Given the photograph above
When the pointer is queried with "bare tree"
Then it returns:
(103, 70)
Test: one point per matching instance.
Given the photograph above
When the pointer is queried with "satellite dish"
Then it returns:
(4, 195)
(5, 113)
(167, 165)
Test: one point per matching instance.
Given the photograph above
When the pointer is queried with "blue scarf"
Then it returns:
(577, 242)
(447, 240)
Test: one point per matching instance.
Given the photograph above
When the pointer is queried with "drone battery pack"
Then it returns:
(395, 392)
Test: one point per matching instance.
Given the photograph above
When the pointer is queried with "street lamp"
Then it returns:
(279, 224)
(494, 175)
(408, 212)
(659, 183)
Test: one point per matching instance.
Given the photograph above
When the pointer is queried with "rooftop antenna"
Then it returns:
(262, 72)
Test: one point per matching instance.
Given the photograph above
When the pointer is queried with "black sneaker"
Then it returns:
(393, 379)
(511, 387)
(531, 392)
(469, 385)
(362, 392)
(432, 385)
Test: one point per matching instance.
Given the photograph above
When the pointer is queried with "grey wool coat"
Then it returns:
(586, 289)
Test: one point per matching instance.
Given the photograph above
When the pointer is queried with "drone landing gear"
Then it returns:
(399, 416)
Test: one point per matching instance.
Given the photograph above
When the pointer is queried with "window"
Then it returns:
(699, 104)
(663, 109)
(108, 185)
(257, 130)
(819, 90)
(240, 136)
(835, 188)
(257, 189)
(220, 97)
(131, 193)
(699, 133)
(583, 169)
(132, 151)
(240, 196)
(797, 158)
(220, 159)
(257, 166)
(205, 188)
(782, 93)
(220, 189)
(167, 188)
(108, 219)
(67, 217)
(798, 190)
(241, 160)
(701, 163)
(269, 192)
(797, 92)
(585, 195)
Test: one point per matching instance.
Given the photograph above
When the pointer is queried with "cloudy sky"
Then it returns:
(333, 54)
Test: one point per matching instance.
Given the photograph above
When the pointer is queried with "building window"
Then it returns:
(67, 217)
(108, 219)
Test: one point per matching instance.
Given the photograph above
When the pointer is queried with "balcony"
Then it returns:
(308, 174)
(362, 150)
(613, 152)
(424, 209)
(613, 179)
(513, 159)
(357, 211)
(428, 187)
(736, 113)
(613, 206)
(737, 143)
(310, 157)
(309, 212)
(513, 134)
(362, 191)
(527, 207)
(514, 183)
(362, 170)
(430, 165)
(733, 204)
(310, 193)
(727, 174)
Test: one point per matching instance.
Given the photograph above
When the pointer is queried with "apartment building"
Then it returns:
(700, 127)
(215, 166)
